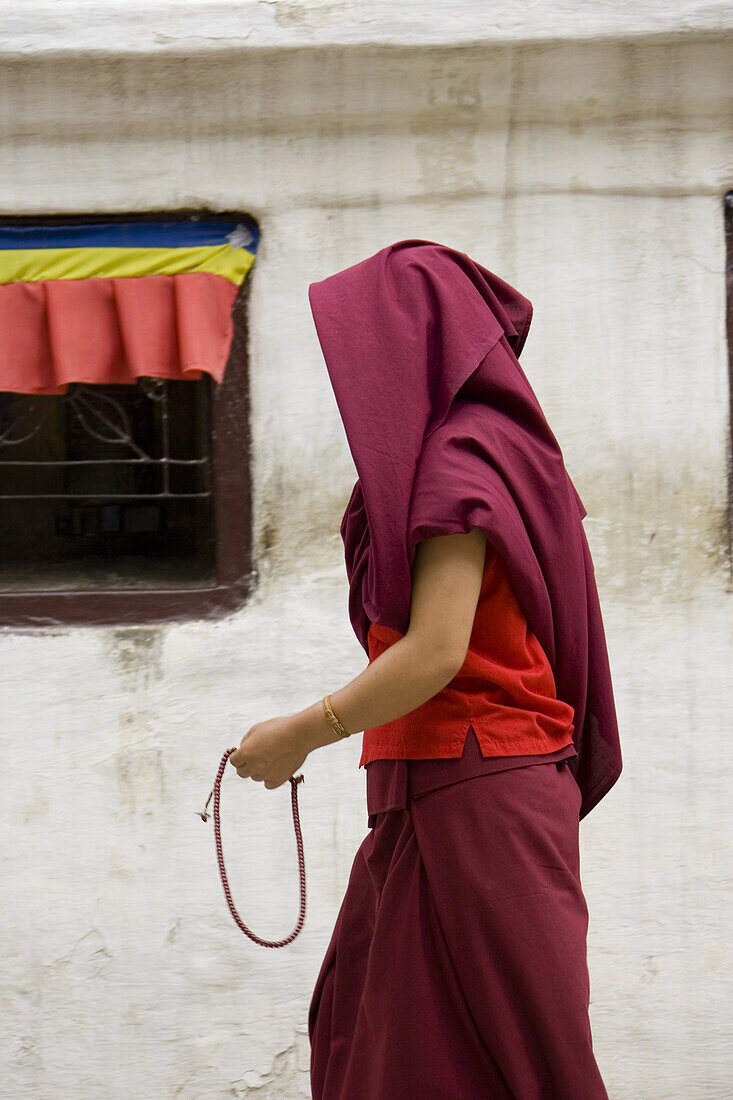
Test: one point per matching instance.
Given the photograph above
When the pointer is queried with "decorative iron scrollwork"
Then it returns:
(103, 418)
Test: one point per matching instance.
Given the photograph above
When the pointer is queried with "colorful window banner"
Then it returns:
(108, 302)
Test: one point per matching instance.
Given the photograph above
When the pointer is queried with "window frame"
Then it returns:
(728, 233)
(230, 449)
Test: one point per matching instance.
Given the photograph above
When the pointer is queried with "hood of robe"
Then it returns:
(421, 344)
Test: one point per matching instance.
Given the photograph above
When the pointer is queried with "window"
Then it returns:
(124, 496)
(728, 217)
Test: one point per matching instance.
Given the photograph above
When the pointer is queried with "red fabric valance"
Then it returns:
(113, 329)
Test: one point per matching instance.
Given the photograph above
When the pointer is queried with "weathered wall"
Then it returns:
(168, 26)
(591, 175)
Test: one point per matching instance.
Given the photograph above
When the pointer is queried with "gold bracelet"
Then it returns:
(332, 719)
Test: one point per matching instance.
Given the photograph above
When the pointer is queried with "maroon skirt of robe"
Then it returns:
(457, 965)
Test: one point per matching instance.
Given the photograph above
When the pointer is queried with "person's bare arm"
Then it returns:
(446, 582)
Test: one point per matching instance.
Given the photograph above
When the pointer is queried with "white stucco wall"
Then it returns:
(589, 174)
(63, 27)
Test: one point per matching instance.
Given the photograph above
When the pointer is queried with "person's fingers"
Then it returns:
(243, 770)
(244, 773)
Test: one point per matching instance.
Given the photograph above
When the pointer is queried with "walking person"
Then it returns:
(457, 965)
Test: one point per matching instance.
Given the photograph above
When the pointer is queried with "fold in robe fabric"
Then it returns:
(457, 967)
(421, 344)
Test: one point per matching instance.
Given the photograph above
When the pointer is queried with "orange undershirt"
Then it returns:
(505, 689)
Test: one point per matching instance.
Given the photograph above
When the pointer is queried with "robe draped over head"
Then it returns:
(421, 344)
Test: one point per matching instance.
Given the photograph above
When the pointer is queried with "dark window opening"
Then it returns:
(107, 485)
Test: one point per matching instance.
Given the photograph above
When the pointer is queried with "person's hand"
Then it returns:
(271, 752)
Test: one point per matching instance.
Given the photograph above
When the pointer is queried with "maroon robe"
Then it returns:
(421, 344)
(457, 965)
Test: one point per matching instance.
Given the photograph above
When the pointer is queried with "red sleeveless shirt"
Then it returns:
(505, 689)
